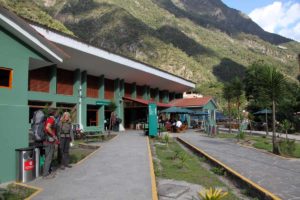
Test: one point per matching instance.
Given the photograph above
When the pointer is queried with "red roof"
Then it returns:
(191, 102)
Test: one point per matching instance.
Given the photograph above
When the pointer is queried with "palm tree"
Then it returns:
(228, 95)
(272, 86)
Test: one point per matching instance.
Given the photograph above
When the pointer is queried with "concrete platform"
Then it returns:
(278, 175)
(118, 170)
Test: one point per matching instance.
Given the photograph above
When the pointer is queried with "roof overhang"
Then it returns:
(101, 62)
(20, 29)
(146, 102)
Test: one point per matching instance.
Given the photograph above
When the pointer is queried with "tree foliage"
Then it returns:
(265, 85)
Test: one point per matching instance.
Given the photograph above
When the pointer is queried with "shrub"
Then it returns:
(166, 138)
(241, 135)
(212, 194)
(183, 157)
(218, 171)
(287, 147)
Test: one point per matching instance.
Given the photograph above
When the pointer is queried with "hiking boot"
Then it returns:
(68, 166)
(62, 167)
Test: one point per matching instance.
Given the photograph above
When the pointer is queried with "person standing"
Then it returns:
(49, 143)
(112, 121)
(66, 137)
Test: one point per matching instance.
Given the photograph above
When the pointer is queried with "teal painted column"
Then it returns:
(101, 111)
(101, 117)
(165, 96)
(101, 87)
(146, 92)
(117, 96)
(83, 102)
(53, 79)
(133, 91)
(156, 95)
(122, 93)
(76, 91)
(53, 82)
(149, 92)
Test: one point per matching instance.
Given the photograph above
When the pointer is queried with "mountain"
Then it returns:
(202, 40)
(214, 13)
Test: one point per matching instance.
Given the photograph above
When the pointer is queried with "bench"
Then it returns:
(93, 135)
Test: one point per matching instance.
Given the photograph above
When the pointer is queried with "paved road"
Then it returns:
(280, 176)
(290, 136)
(119, 170)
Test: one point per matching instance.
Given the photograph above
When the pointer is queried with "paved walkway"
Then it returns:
(119, 170)
(278, 175)
(290, 136)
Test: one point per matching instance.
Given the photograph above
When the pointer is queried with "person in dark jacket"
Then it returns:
(66, 137)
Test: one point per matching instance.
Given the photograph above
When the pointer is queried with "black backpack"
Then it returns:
(38, 125)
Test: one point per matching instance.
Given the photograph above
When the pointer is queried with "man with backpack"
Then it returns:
(50, 140)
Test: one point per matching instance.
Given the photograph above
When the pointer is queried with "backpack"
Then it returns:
(38, 124)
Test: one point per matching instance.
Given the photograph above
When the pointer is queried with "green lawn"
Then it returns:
(172, 167)
(77, 154)
(17, 192)
(261, 142)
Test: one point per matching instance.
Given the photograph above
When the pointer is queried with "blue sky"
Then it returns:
(247, 5)
(276, 16)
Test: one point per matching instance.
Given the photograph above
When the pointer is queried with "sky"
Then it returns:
(275, 16)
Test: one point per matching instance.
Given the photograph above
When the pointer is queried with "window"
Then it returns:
(92, 115)
(6, 78)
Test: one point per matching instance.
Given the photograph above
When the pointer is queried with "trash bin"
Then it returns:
(25, 164)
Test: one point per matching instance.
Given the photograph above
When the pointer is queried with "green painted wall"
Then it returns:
(210, 106)
(133, 91)
(156, 95)
(165, 97)
(13, 102)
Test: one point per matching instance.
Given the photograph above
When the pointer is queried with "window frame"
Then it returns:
(10, 77)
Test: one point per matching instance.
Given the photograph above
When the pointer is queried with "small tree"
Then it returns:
(228, 95)
(286, 126)
(238, 91)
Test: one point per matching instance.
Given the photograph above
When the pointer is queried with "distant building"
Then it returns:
(205, 109)
(191, 94)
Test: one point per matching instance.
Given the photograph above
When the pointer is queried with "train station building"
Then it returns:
(41, 67)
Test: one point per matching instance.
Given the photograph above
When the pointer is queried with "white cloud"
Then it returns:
(279, 17)
(293, 32)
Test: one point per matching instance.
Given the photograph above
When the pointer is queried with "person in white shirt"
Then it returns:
(178, 124)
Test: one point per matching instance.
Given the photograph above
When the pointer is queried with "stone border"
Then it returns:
(152, 174)
(38, 190)
(254, 188)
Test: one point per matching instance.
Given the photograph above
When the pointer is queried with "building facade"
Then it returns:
(41, 68)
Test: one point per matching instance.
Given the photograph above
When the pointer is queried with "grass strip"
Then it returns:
(175, 163)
